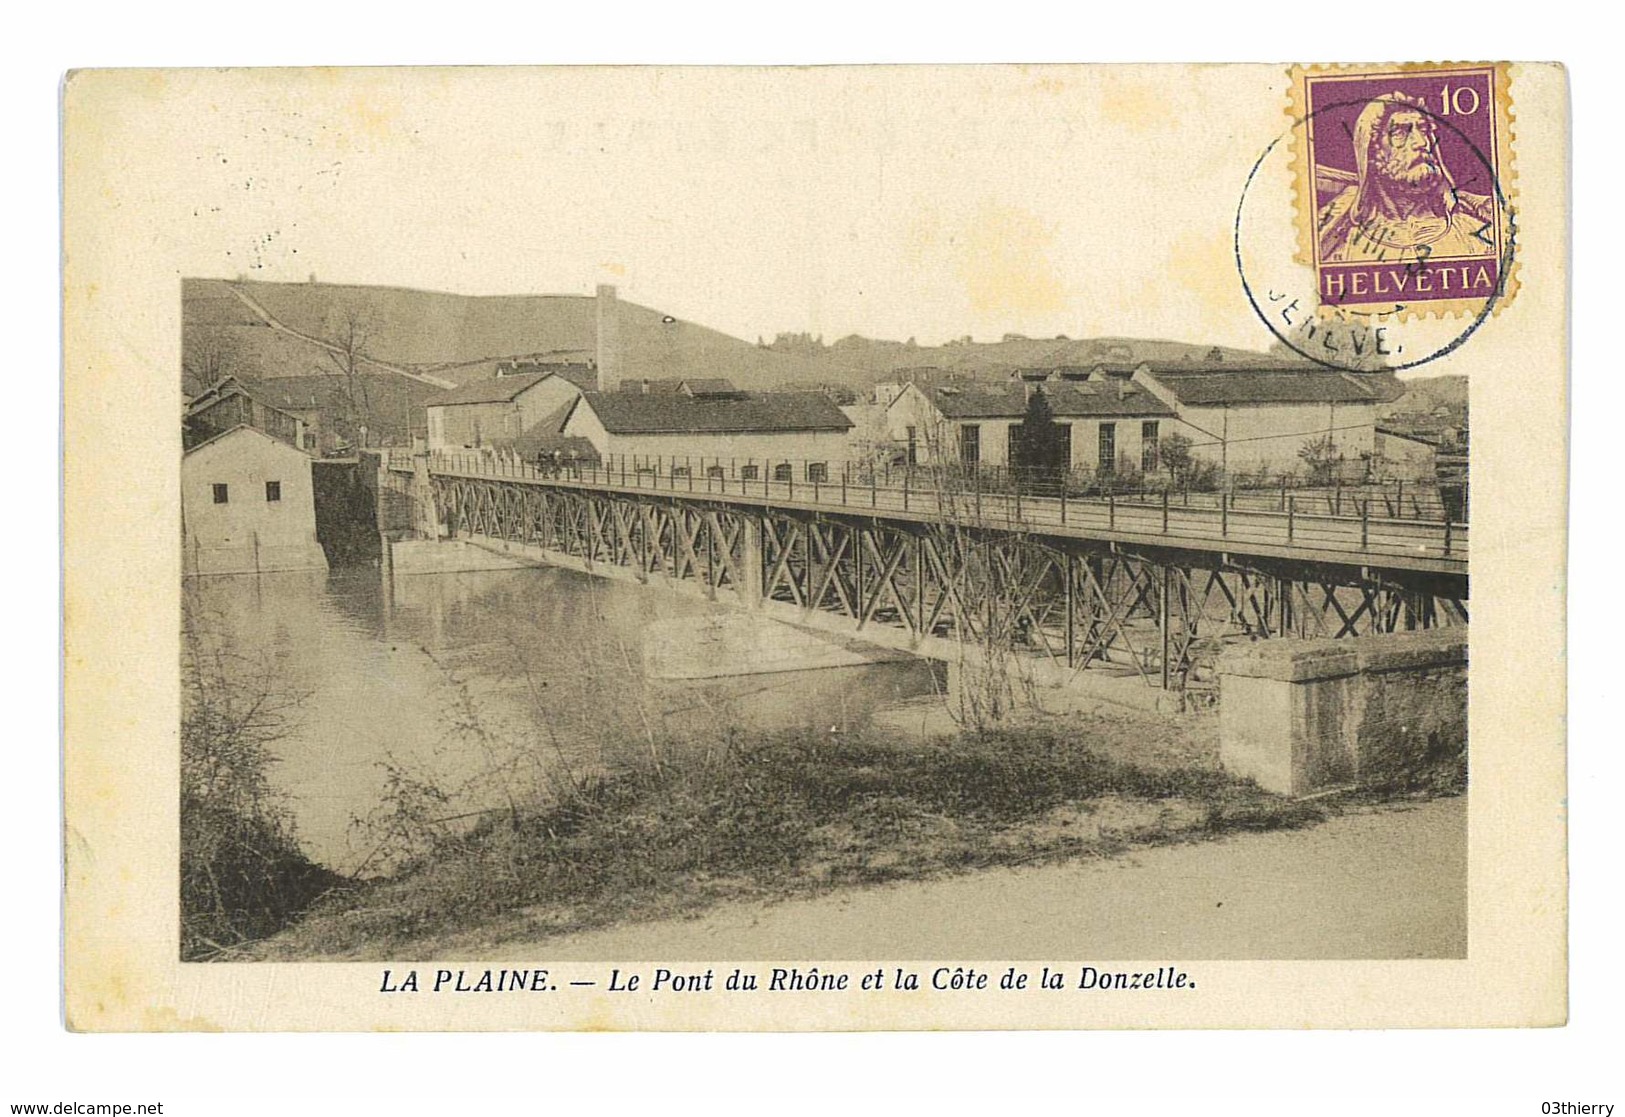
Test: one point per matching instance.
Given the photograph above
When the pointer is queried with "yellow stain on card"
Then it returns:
(163, 1018)
(369, 118)
(1205, 265)
(1135, 101)
(1003, 259)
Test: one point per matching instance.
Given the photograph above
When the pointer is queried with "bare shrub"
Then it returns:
(242, 875)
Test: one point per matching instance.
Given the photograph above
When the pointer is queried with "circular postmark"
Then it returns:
(1374, 232)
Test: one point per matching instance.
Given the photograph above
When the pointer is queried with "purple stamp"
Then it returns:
(1400, 180)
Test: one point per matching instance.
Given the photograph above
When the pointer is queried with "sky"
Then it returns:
(893, 203)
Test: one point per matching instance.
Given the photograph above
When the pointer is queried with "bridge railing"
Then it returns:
(1298, 522)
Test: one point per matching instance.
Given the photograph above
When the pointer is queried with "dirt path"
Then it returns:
(1389, 883)
(280, 326)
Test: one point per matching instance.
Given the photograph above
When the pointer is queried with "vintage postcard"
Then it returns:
(834, 548)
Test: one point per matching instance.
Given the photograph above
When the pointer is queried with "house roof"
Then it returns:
(534, 442)
(221, 436)
(681, 385)
(582, 375)
(1409, 436)
(1074, 372)
(547, 434)
(710, 386)
(1280, 384)
(924, 375)
(1067, 399)
(226, 387)
(553, 421)
(652, 385)
(636, 413)
(499, 389)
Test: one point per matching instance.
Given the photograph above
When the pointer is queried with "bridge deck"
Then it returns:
(1437, 547)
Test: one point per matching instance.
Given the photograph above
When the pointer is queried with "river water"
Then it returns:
(460, 693)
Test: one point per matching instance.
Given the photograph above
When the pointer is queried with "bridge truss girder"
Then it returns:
(1160, 613)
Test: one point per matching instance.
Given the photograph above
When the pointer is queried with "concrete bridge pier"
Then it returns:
(1300, 717)
(425, 520)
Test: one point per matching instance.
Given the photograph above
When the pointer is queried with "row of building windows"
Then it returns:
(222, 492)
(970, 444)
(782, 471)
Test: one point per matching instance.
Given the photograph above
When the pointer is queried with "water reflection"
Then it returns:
(487, 686)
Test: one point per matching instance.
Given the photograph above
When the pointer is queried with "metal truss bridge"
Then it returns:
(1151, 586)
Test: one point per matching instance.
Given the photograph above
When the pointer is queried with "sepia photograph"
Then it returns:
(585, 638)
(705, 532)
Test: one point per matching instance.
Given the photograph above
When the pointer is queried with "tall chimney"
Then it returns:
(609, 339)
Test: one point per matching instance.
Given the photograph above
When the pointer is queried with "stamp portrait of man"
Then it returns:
(1401, 202)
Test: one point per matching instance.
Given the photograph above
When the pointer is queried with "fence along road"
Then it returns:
(1433, 546)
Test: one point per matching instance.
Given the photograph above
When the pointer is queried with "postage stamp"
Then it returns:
(1404, 187)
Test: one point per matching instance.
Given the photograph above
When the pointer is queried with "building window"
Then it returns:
(818, 471)
(715, 471)
(221, 494)
(1149, 452)
(781, 472)
(749, 472)
(970, 444)
(1108, 448)
(273, 491)
(913, 446)
(678, 472)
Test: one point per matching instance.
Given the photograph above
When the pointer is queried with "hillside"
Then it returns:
(271, 331)
(256, 329)
(1429, 403)
(864, 362)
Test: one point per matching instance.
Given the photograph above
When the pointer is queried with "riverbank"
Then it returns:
(785, 815)
(1374, 881)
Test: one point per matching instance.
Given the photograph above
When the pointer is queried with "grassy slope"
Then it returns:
(792, 814)
(459, 336)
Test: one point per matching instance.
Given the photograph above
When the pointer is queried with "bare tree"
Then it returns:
(348, 332)
(978, 544)
(206, 356)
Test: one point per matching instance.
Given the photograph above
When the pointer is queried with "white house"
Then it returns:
(783, 435)
(248, 506)
(1260, 416)
(1241, 416)
(867, 440)
(495, 412)
(1405, 455)
(1111, 427)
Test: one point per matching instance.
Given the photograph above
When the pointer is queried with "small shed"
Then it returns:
(494, 412)
(248, 506)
